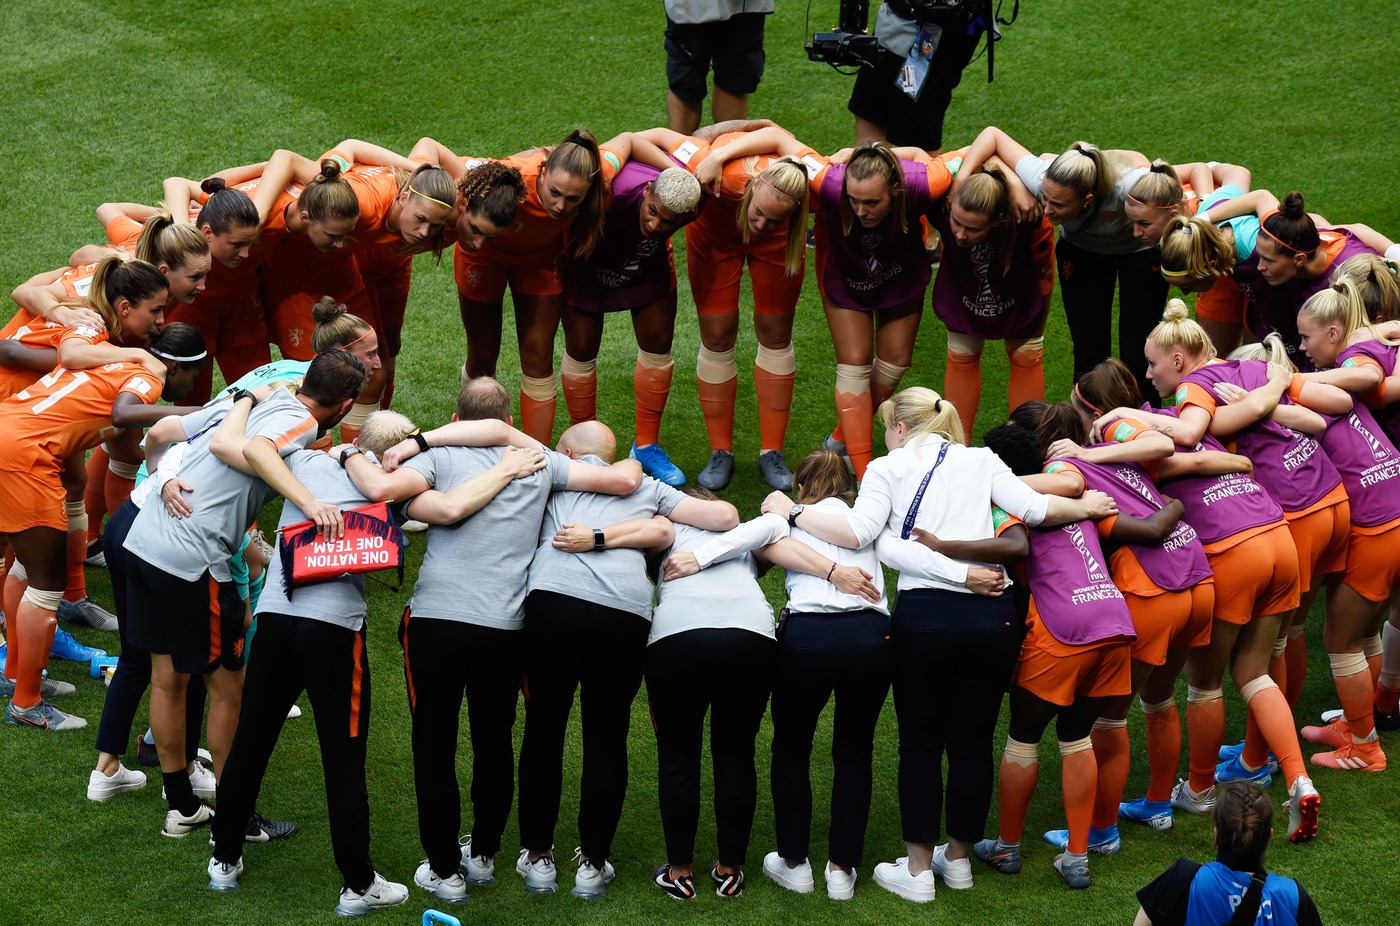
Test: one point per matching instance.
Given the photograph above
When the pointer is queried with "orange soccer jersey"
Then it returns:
(63, 413)
(31, 331)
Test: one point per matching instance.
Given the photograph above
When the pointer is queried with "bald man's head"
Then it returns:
(588, 438)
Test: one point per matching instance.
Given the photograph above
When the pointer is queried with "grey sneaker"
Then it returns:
(48, 688)
(718, 471)
(839, 447)
(89, 613)
(775, 470)
(1005, 859)
(1184, 799)
(381, 893)
(42, 716)
(1074, 869)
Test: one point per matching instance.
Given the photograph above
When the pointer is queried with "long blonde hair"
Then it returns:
(1375, 278)
(1271, 350)
(1194, 249)
(788, 177)
(1341, 304)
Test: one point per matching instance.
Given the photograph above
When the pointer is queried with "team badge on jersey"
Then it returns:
(1124, 432)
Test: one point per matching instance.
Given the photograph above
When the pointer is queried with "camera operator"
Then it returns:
(925, 45)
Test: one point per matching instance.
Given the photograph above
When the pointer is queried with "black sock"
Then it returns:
(178, 792)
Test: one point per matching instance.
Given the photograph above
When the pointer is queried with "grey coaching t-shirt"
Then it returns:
(225, 501)
(722, 596)
(474, 571)
(613, 578)
(1106, 229)
(338, 601)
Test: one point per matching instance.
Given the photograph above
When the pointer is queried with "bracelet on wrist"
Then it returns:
(830, 571)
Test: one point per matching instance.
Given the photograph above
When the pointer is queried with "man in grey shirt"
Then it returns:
(185, 609)
(461, 632)
(586, 621)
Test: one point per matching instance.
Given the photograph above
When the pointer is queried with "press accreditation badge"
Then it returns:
(914, 71)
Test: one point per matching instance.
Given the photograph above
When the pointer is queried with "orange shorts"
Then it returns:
(1373, 562)
(1262, 573)
(482, 275)
(1058, 674)
(1223, 302)
(1321, 538)
(387, 283)
(224, 325)
(715, 258)
(32, 499)
(1170, 619)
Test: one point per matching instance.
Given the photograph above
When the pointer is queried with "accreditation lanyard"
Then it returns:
(919, 495)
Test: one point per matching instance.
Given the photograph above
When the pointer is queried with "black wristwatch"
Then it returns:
(246, 394)
(793, 512)
(599, 540)
(347, 453)
(418, 438)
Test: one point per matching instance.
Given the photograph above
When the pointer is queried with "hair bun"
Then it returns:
(1175, 311)
(326, 309)
(212, 185)
(1292, 206)
(330, 169)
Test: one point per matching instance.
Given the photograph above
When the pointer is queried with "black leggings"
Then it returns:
(1031, 714)
(133, 675)
(575, 645)
(726, 673)
(848, 655)
(1086, 284)
(954, 656)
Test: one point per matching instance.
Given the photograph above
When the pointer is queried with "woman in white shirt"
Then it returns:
(956, 636)
(711, 650)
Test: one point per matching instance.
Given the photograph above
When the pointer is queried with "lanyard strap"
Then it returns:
(919, 495)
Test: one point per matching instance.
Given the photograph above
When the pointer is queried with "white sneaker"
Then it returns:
(479, 868)
(591, 881)
(178, 825)
(380, 893)
(541, 877)
(293, 713)
(840, 883)
(451, 890)
(955, 872)
(896, 878)
(411, 526)
(202, 782)
(1184, 799)
(797, 879)
(102, 788)
(223, 876)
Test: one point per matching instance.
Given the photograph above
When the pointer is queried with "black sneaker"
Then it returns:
(146, 755)
(1386, 722)
(261, 829)
(682, 888)
(730, 885)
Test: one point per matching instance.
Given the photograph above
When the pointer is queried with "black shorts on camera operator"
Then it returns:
(901, 97)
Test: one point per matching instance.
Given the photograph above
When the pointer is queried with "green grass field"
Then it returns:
(103, 100)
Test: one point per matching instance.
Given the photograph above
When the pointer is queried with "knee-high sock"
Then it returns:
(1388, 684)
(352, 423)
(1256, 750)
(33, 628)
(1163, 748)
(1297, 656)
(580, 380)
(95, 495)
(1205, 731)
(717, 377)
(538, 400)
(774, 372)
(1020, 768)
(962, 383)
(1268, 709)
(854, 412)
(1027, 379)
(1081, 780)
(1113, 757)
(77, 551)
(651, 383)
(117, 487)
(1352, 677)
